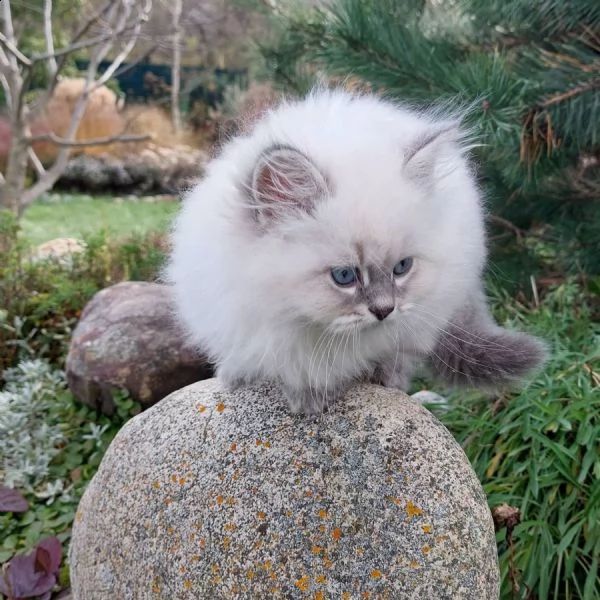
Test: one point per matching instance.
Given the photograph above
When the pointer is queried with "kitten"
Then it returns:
(341, 239)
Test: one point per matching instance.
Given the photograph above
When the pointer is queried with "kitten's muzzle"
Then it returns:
(381, 311)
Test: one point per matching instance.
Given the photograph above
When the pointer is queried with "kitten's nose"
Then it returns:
(381, 311)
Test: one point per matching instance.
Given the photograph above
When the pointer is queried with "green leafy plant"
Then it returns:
(539, 451)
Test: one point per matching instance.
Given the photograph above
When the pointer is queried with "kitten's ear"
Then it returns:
(285, 179)
(425, 155)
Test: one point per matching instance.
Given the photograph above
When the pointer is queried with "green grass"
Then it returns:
(80, 216)
(539, 450)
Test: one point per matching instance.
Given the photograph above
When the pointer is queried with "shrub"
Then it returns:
(40, 301)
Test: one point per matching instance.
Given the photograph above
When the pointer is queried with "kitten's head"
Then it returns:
(362, 238)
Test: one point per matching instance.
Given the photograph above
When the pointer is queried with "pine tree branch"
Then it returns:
(575, 91)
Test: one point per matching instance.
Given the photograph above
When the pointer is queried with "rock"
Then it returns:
(223, 495)
(126, 338)
(60, 249)
(152, 169)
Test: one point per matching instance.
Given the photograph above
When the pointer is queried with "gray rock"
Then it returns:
(220, 496)
(127, 339)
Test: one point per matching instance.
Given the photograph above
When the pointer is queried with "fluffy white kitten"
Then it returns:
(341, 239)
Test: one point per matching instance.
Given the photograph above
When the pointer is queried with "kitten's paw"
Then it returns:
(309, 401)
(230, 380)
(393, 375)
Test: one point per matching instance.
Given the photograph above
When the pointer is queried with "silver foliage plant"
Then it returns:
(28, 441)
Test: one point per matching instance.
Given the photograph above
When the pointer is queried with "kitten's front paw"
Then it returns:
(230, 380)
(309, 401)
(393, 376)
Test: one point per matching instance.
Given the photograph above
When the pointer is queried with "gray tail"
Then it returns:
(474, 351)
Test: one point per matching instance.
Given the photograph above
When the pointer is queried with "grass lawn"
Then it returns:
(78, 216)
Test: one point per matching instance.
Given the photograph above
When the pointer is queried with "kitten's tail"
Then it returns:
(474, 351)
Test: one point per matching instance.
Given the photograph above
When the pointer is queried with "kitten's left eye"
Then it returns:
(403, 267)
(344, 275)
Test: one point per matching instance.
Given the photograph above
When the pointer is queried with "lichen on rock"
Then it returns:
(211, 494)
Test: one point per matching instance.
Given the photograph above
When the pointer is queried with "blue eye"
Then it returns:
(403, 267)
(344, 275)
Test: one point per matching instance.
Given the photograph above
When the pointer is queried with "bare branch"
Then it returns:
(7, 92)
(118, 17)
(12, 49)
(48, 34)
(103, 141)
(36, 162)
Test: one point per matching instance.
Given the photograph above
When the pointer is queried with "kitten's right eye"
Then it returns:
(344, 275)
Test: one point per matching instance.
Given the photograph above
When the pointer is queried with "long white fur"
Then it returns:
(246, 297)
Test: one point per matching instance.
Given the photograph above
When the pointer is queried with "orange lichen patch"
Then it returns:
(393, 499)
(327, 563)
(230, 501)
(187, 584)
(366, 594)
(216, 579)
(220, 407)
(201, 408)
(220, 500)
(229, 526)
(322, 528)
(261, 515)
(267, 565)
(414, 564)
(376, 573)
(412, 510)
(316, 549)
(273, 576)
(156, 485)
(308, 493)
(226, 543)
(182, 569)
(303, 583)
(181, 480)
(267, 444)
(319, 596)
(168, 501)
(195, 558)
(336, 534)
(250, 574)
(202, 543)
(233, 447)
(259, 442)
(346, 596)
(427, 528)
(174, 478)
(214, 568)
(170, 530)
(323, 514)
(321, 579)
(441, 538)
(426, 549)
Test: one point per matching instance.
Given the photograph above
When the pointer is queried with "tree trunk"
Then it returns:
(13, 186)
(176, 67)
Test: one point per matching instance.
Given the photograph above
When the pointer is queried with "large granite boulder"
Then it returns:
(223, 495)
(127, 339)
